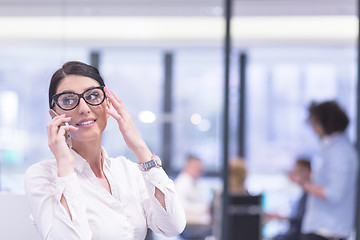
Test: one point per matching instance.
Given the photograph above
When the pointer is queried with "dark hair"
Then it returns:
(304, 162)
(192, 157)
(73, 68)
(331, 117)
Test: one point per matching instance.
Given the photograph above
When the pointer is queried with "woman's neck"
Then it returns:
(91, 152)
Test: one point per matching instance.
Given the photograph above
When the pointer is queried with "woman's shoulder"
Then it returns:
(44, 168)
(341, 145)
(40, 177)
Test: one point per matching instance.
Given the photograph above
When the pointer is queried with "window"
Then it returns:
(25, 74)
(136, 76)
(198, 91)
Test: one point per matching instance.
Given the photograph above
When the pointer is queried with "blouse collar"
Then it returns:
(328, 139)
(80, 162)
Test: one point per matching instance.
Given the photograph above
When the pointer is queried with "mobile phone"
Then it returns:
(67, 134)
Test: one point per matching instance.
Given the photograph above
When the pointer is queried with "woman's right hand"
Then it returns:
(56, 131)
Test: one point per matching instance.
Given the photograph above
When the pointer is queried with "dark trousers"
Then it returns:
(286, 237)
(196, 232)
(312, 236)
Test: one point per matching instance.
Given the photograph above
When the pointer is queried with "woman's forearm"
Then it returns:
(315, 190)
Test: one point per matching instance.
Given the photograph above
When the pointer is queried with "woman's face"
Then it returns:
(90, 120)
(317, 127)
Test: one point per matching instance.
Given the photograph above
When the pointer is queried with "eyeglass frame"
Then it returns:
(56, 96)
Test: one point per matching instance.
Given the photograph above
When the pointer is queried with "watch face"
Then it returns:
(157, 161)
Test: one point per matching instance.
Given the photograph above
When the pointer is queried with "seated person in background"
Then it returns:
(236, 186)
(237, 176)
(299, 174)
(195, 203)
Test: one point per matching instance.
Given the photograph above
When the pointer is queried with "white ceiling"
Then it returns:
(178, 22)
(174, 7)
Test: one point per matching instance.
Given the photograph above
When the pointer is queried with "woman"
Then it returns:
(81, 192)
(331, 191)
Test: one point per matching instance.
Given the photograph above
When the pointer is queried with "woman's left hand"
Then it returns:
(131, 135)
(127, 127)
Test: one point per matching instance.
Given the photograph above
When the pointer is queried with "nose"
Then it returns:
(83, 107)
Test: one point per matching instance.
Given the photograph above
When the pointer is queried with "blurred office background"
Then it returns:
(165, 59)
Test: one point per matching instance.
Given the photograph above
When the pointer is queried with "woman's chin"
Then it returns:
(85, 138)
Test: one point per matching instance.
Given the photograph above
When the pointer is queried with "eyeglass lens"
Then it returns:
(94, 96)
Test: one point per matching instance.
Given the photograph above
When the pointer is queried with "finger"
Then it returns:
(64, 129)
(112, 113)
(111, 93)
(121, 110)
(116, 116)
(71, 128)
(61, 131)
(54, 121)
(53, 126)
(58, 120)
(117, 103)
(62, 121)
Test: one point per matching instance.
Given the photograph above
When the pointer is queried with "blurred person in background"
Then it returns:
(237, 176)
(330, 207)
(299, 174)
(195, 202)
(83, 193)
(236, 185)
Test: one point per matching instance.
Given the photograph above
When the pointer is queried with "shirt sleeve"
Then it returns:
(339, 175)
(44, 190)
(197, 208)
(169, 222)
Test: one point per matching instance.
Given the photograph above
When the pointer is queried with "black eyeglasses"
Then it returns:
(69, 100)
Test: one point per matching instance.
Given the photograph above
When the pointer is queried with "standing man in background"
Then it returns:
(330, 207)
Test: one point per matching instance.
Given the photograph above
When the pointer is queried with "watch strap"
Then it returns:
(154, 162)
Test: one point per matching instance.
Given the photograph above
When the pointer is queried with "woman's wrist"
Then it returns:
(143, 155)
(65, 168)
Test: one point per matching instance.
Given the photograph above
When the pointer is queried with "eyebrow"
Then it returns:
(69, 91)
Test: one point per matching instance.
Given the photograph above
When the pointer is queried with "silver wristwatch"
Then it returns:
(154, 162)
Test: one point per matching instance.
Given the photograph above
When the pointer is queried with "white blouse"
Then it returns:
(97, 214)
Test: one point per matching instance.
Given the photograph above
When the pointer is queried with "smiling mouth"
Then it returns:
(86, 123)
